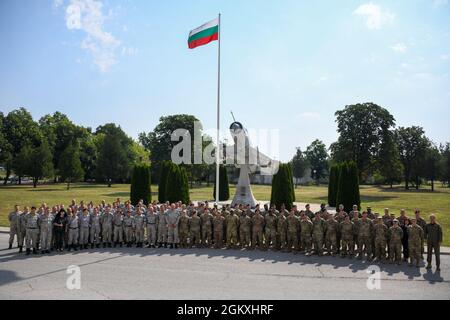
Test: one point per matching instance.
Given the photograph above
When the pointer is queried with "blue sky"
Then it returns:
(286, 65)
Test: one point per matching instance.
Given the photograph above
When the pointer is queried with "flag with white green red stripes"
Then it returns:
(204, 34)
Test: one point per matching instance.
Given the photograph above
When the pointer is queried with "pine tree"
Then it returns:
(348, 186)
(140, 184)
(353, 194)
(282, 187)
(333, 185)
(224, 188)
(165, 167)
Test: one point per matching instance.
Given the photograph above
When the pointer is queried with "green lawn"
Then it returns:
(378, 198)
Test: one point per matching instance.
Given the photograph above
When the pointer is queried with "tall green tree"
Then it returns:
(283, 187)
(412, 145)
(40, 164)
(162, 183)
(19, 130)
(348, 186)
(299, 165)
(333, 185)
(445, 158)
(361, 129)
(224, 187)
(140, 184)
(115, 155)
(432, 164)
(389, 163)
(317, 157)
(177, 187)
(70, 165)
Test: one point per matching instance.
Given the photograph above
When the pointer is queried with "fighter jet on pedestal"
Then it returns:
(249, 160)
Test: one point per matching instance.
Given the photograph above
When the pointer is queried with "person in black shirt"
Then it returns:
(59, 228)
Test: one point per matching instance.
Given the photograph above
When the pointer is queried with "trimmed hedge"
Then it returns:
(165, 166)
(283, 187)
(224, 188)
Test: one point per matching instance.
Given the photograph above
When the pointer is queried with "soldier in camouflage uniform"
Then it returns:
(380, 235)
(232, 222)
(433, 235)
(118, 227)
(323, 212)
(128, 225)
(245, 229)
(13, 219)
(402, 218)
(257, 230)
(306, 228)
(347, 231)
(365, 234)
(354, 212)
(415, 240)
(422, 223)
(107, 227)
(46, 227)
(271, 221)
(183, 229)
(84, 229)
(73, 226)
(395, 236)
(140, 221)
(206, 219)
(281, 231)
(195, 226)
(173, 218)
(162, 227)
(218, 223)
(292, 232)
(151, 223)
(95, 229)
(21, 229)
(331, 240)
(308, 212)
(319, 230)
(386, 217)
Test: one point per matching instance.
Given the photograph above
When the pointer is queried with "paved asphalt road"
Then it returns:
(136, 273)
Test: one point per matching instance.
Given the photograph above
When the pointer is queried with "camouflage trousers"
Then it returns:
(46, 239)
(347, 246)
(244, 237)
(173, 235)
(206, 235)
(12, 233)
(183, 235)
(257, 238)
(271, 237)
(31, 238)
(281, 239)
(365, 245)
(73, 236)
(415, 251)
(162, 234)
(118, 234)
(128, 233)
(306, 243)
(318, 243)
(232, 237)
(106, 233)
(218, 239)
(331, 243)
(195, 237)
(95, 234)
(84, 235)
(292, 240)
(380, 249)
(20, 237)
(139, 234)
(395, 251)
(151, 233)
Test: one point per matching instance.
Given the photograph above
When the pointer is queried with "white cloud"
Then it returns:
(399, 48)
(376, 18)
(87, 16)
(439, 3)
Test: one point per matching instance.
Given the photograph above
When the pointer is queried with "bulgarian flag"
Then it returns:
(204, 34)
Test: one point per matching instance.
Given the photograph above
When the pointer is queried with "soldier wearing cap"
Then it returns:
(433, 235)
(395, 236)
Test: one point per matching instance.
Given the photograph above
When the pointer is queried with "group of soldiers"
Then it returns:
(366, 235)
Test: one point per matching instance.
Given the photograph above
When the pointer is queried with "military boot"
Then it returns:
(75, 247)
(28, 251)
(120, 244)
(104, 244)
(34, 251)
(10, 246)
(115, 244)
(97, 245)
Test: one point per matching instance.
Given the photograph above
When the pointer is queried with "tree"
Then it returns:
(333, 185)
(115, 156)
(185, 198)
(224, 188)
(140, 184)
(445, 159)
(19, 129)
(317, 157)
(162, 183)
(389, 162)
(361, 128)
(88, 154)
(177, 188)
(412, 145)
(5, 147)
(432, 167)
(298, 164)
(40, 163)
(282, 187)
(22, 160)
(348, 186)
(70, 165)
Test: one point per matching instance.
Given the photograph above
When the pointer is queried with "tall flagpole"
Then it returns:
(218, 116)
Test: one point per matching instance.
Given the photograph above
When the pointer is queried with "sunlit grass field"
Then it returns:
(377, 197)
